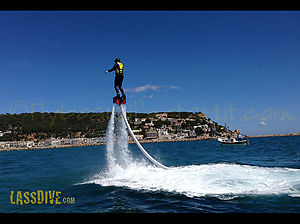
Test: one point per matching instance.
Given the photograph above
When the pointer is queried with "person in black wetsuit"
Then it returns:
(118, 68)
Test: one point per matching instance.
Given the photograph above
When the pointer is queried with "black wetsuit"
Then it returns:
(118, 79)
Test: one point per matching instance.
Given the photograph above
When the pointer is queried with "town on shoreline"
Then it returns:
(55, 130)
(84, 144)
(148, 128)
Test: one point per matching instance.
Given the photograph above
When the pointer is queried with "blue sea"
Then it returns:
(204, 177)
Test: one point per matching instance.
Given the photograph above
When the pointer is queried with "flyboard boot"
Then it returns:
(119, 100)
(123, 99)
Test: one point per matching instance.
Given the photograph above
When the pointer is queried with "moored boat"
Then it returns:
(233, 141)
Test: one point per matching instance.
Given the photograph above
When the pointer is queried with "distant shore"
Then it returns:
(145, 141)
(277, 135)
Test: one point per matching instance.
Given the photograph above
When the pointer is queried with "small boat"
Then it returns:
(233, 141)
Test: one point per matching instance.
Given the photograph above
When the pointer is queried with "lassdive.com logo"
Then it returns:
(39, 197)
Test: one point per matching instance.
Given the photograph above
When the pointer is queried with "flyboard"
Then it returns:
(120, 101)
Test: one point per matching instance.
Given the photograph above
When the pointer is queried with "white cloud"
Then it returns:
(148, 87)
(141, 88)
(263, 123)
(150, 96)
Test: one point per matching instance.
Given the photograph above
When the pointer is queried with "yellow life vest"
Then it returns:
(120, 69)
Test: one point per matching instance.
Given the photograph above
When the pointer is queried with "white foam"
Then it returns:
(226, 181)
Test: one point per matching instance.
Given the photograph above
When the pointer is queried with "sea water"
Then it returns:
(204, 176)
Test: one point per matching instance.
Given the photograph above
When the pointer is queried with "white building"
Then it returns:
(30, 144)
(163, 134)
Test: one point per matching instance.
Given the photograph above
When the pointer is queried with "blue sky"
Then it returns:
(240, 68)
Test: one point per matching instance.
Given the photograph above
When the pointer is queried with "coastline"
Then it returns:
(143, 141)
(103, 143)
(277, 135)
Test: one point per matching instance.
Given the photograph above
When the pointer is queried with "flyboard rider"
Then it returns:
(119, 76)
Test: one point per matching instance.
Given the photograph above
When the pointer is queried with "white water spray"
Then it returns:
(117, 155)
(111, 161)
